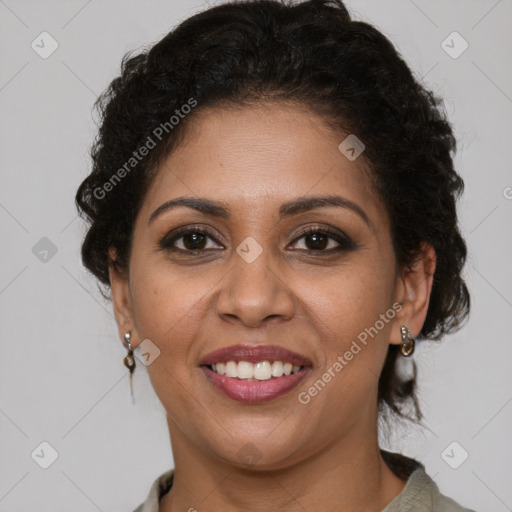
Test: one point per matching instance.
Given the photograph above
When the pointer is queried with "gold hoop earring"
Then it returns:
(129, 361)
(407, 347)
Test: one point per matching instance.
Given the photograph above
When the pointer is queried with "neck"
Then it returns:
(350, 475)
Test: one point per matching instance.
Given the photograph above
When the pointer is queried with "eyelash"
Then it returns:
(345, 243)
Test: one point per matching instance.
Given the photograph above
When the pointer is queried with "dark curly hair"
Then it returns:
(311, 53)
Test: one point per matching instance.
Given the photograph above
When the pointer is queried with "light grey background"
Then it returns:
(61, 375)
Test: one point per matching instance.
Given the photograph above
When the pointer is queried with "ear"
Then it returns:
(121, 298)
(413, 288)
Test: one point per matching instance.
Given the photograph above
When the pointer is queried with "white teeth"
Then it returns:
(231, 369)
(262, 370)
(277, 369)
(245, 370)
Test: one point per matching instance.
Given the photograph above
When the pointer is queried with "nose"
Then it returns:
(255, 293)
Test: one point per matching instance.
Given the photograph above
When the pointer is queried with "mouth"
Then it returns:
(255, 373)
(262, 370)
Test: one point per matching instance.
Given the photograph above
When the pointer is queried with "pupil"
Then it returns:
(316, 245)
(194, 237)
(192, 240)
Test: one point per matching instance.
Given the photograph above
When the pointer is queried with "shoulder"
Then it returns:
(421, 493)
(432, 495)
(159, 487)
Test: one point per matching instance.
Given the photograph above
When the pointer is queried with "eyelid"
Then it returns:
(167, 240)
(343, 240)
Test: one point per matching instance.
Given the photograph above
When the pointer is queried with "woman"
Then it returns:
(273, 205)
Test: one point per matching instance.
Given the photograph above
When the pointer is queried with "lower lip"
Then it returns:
(257, 390)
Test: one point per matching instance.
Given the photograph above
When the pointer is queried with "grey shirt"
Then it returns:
(420, 493)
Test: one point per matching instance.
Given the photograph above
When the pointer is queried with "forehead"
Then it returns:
(256, 157)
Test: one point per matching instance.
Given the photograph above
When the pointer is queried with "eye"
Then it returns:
(324, 240)
(316, 240)
(188, 240)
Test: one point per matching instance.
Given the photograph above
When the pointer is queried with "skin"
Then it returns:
(323, 455)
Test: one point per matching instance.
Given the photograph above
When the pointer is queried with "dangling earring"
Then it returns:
(129, 361)
(407, 347)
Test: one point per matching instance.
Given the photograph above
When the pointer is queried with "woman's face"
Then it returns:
(255, 279)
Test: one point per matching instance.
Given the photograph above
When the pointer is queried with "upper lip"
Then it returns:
(254, 354)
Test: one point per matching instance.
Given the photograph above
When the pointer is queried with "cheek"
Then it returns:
(354, 314)
(354, 343)
(166, 308)
(169, 308)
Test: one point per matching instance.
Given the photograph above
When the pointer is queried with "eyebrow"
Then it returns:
(221, 210)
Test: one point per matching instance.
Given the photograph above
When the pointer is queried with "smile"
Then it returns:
(248, 373)
(253, 390)
(263, 370)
